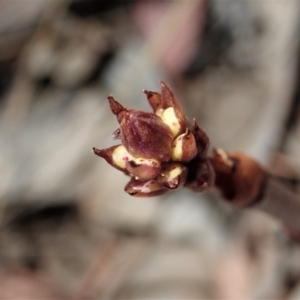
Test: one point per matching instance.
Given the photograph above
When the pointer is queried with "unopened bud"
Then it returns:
(169, 118)
(173, 175)
(158, 150)
(143, 168)
(166, 106)
(148, 188)
(173, 114)
(116, 156)
(143, 134)
(184, 147)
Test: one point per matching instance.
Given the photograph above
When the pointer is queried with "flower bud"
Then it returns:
(173, 175)
(166, 106)
(184, 147)
(202, 140)
(168, 116)
(201, 176)
(158, 150)
(116, 156)
(143, 169)
(148, 188)
(143, 134)
(173, 114)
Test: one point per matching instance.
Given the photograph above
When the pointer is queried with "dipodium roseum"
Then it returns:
(158, 150)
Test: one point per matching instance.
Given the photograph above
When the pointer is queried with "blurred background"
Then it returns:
(68, 230)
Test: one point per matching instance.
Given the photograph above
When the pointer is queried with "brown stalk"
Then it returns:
(244, 183)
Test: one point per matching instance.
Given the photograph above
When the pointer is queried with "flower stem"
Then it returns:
(244, 183)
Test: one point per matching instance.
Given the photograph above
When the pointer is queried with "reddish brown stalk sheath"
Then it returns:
(244, 183)
(239, 177)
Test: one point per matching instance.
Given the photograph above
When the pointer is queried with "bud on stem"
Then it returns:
(184, 147)
(143, 134)
(143, 169)
(116, 156)
(158, 150)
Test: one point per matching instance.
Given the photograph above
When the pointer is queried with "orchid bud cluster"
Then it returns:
(158, 150)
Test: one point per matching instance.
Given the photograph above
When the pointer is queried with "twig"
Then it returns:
(246, 184)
